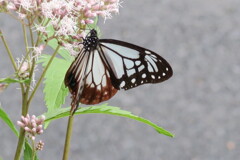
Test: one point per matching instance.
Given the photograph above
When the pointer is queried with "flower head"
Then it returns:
(68, 19)
(32, 125)
(40, 145)
(24, 67)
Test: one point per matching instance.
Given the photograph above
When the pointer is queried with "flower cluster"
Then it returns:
(69, 18)
(40, 145)
(32, 125)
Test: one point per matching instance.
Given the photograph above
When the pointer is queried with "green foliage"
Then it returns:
(10, 80)
(28, 152)
(7, 120)
(54, 89)
(104, 109)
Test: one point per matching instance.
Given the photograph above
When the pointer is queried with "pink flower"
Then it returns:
(68, 18)
(38, 50)
(24, 68)
(32, 125)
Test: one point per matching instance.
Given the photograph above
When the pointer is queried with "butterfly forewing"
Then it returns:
(133, 65)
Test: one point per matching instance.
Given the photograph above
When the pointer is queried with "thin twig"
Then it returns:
(43, 74)
(8, 51)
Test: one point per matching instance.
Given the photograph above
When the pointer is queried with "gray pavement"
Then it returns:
(200, 104)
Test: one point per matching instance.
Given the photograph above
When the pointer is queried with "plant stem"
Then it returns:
(20, 144)
(8, 51)
(31, 32)
(25, 105)
(22, 131)
(68, 137)
(25, 37)
(11, 58)
(43, 74)
(32, 65)
(33, 150)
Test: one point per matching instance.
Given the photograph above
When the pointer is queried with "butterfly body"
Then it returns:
(104, 66)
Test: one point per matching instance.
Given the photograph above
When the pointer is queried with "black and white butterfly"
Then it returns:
(104, 66)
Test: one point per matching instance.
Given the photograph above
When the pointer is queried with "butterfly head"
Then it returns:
(91, 41)
(93, 33)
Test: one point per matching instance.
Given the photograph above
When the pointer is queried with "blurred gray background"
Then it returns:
(200, 104)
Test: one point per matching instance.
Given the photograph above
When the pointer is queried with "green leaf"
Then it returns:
(10, 80)
(104, 109)
(54, 89)
(28, 152)
(7, 120)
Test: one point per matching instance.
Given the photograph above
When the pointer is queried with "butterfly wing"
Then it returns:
(74, 78)
(88, 79)
(133, 65)
(98, 86)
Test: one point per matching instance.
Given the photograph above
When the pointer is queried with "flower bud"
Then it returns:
(40, 145)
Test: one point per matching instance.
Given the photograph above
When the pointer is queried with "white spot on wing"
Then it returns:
(152, 55)
(137, 63)
(130, 72)
(133, 80)
(144, 75)
(148, 52)
(153, 77)
(122, 84)
(140, 68)
(164, 74)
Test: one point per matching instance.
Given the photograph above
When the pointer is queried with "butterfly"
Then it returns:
(105, 66)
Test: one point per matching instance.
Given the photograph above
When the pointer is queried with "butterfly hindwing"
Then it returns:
(133, 65)
(98, 86)
(88, 79)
